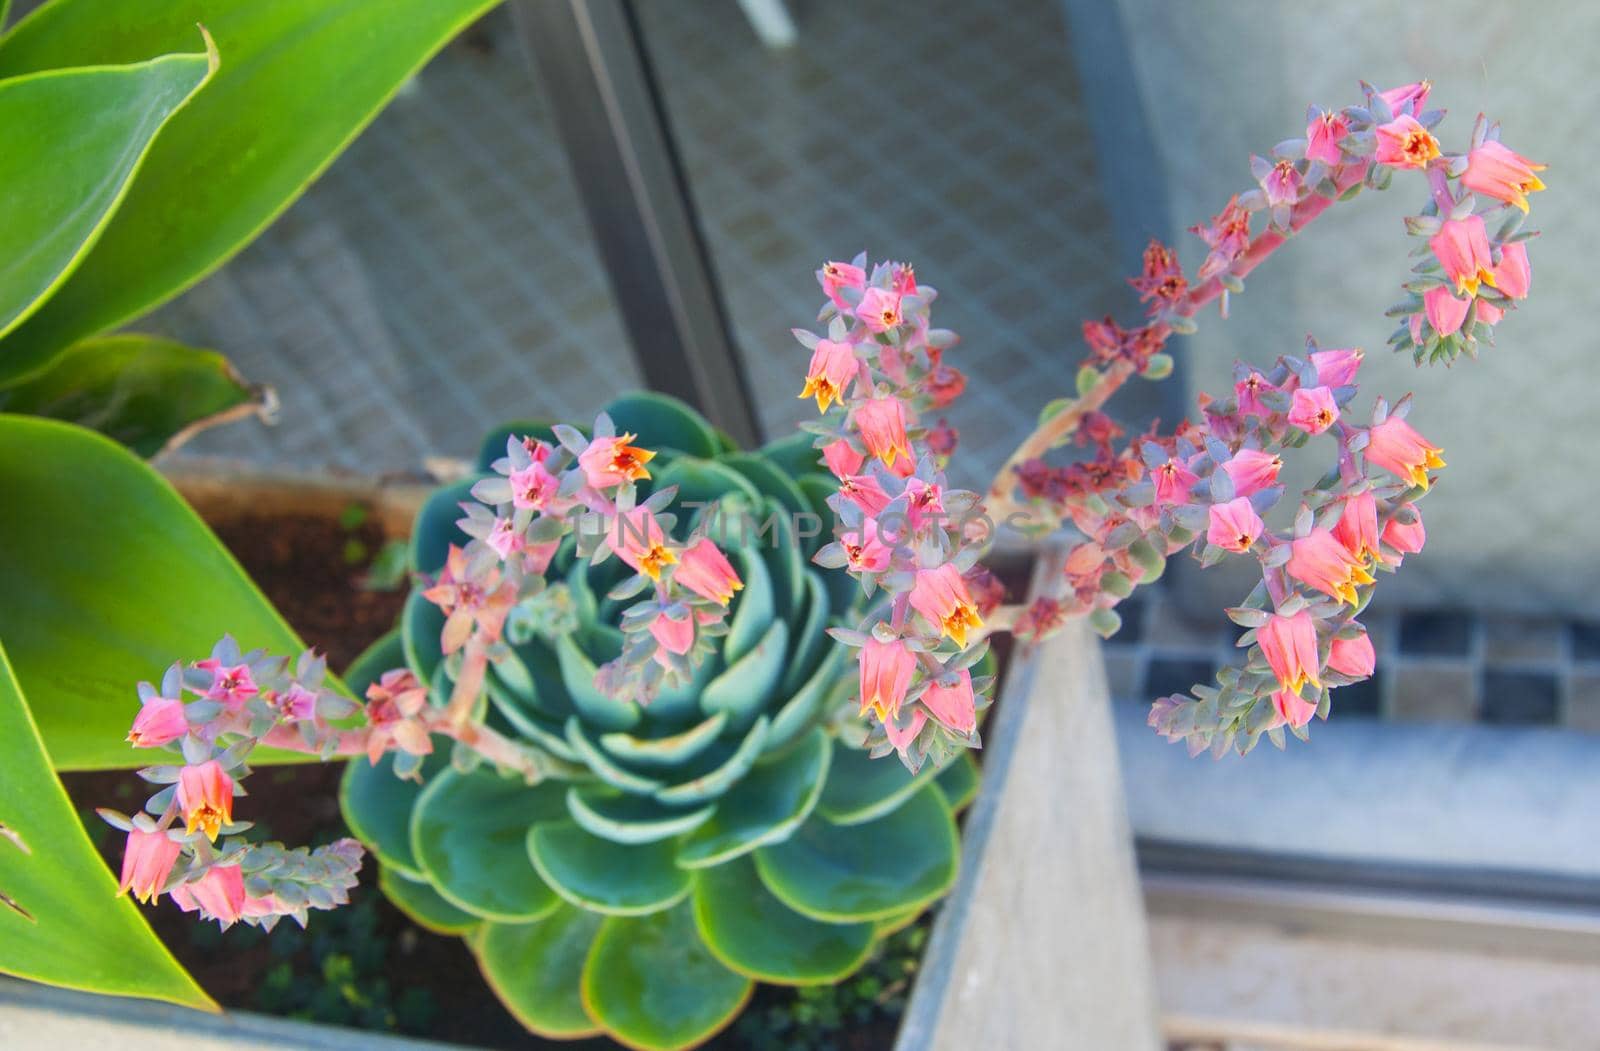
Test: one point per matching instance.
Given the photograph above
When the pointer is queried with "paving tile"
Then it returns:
(1433, 691)
(1585, 637)
(1522, 640)
(1520, 698)
(1583, 701)
(1436, 633)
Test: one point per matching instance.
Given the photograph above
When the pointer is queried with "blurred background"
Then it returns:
(469, 260)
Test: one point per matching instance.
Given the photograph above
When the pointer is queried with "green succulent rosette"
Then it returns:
(726, 833)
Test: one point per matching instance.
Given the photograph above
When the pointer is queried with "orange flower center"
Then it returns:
(1420, 147)
(655, 560)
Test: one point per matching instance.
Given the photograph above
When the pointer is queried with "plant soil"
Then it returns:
(368, 965)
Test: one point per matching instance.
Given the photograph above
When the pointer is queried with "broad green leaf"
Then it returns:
(602, 876)
(652, 983)
(70, 143)
(536, 969)
(894, 924)
(377, 806)
(800, 712)
(108, 577)
(148, 393)
(422, 904)
(861, 788)
(766, 807)
(60, 919)
(299, 80)
(754, 933)
(848, 873)
(469, 834)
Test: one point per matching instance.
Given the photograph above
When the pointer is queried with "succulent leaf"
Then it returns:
(767, 806)
(652, 983)
(468, 833)
(754, 933)
(861, 789)
(602, 876)
(423, 905)
(871, 871)
(624, 818)
(536, 970)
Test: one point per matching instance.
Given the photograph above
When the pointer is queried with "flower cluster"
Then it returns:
(585, 488)
(911, 540)
(211, 714)
(1211, 485)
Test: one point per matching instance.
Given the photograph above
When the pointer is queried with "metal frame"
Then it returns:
(598, 81)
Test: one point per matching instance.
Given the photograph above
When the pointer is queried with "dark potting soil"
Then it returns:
(367, 965)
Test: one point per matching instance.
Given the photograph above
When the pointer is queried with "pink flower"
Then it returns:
(638, 539)
(1251, 470)
(836, 276)
(866, 492)
(1404, 539)
(1291, 708)
(1320, 561)
(504, 538)
(147, 861)
(1323, 136)
(1312, 409)
(886, 670)
(230, 686)
(1403, 143)
(1227, 235)
(706, 571)
(1234, 525)
(535, 487)
(954, 704)
(394, 704)
(882, 422)
(470, 595)
(1357, 528)
(942, 438)
(1496, 171)
(924, 502)
(1282, 184)
(1353, 657)
(160, 720)
(1173, 482)
(841, 459)
(865, 548)
(1248, 391)
(295, 703)
(1513, 276)
(901, 737)
(1462, 248)
(1400, 450)
(675, 636)
(1337, 368)
(219, 894)
(904, 279)
(944, 385)
(536, 557)
(1445, 312)
(612, 461)
(1488, 313)
(205, 797)
(1407, 99)
(1290, 646)
(879, 310)
(833, 367)
(941, 596)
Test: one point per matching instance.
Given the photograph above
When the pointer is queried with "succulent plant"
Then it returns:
(731, 831)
